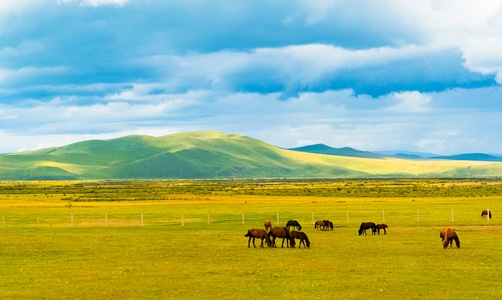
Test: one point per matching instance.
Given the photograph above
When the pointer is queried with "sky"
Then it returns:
(423, 76)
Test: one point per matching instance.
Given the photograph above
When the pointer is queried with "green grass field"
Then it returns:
(140, 250)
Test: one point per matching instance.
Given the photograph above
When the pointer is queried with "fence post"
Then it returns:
(313, 222)
(207, 219)
(242, 218)
(277, 218)
(488, 216)
(383, 215)
(418, 218)
(452, 216)
(347, 217)
(182, 220)
(106, 220)
(141, 219)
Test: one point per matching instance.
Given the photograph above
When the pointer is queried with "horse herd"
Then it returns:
(269, 234)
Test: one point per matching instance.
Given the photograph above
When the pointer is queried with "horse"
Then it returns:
(330, 225)
(294, 224)
(323, 225)
(258, 234)
(268, 225)
(381, 226)
(367, 225)
(448, 235)
(302, 236)
(485, 213)
(282, 232)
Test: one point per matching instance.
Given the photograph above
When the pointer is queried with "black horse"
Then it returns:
(293, 223)
(367, 225)
(302, 237)
(485, 213)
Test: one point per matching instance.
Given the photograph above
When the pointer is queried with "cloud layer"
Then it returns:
(414, 75)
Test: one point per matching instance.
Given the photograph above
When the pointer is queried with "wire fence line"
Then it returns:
(340, 219)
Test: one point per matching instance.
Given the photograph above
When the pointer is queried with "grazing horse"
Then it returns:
(258, 234)
(448, 235)
(330, 224)
(302, 236)
(485, 213)
(323, 225)
(282, 232)
(367, 225)
(268, 225)
(294, 224)
(381, 226)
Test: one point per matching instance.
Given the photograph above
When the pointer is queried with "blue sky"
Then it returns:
(374, 75)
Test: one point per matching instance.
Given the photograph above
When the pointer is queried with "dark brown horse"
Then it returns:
(258, 234)
(282, 232)
(448, 235)
(323, 225)
(367, 225)
(486, 213)
(302, 237)
(268, 225)
(381, 226)
(294, 224)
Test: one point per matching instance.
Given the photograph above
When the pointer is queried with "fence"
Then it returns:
(340, 219)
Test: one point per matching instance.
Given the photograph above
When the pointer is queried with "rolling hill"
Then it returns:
(215, 155)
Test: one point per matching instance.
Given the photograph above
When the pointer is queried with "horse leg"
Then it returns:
(262, 238)
(384, 231)
(249, 241)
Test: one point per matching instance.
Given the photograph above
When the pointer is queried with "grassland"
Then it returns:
(125, 240)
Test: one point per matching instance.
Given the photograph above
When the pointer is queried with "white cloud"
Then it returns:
(431, 145)
(95, 3)
(410, 102)
(9, 7)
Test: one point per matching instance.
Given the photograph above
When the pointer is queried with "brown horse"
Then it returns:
(268, 225)
(323, 225)
(302, 237)
(448, 235)
(258, 234)
(381, 226)
(486, 213)
(282, 232)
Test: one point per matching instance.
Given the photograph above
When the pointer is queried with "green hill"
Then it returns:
(213, 155)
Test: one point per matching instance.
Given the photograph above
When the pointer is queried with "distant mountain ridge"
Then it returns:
(216, 155)
(347, 151)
